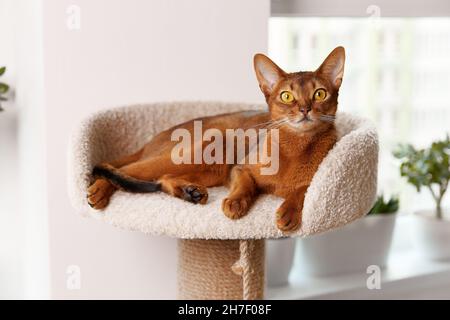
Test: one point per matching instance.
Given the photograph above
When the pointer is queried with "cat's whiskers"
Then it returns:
(327, 118)
(261, 124)
(267, 123)
(293, 120)
(272, 123)
(278, 124)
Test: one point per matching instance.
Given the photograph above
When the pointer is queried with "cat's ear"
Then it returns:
(333, 67)
(267, 72)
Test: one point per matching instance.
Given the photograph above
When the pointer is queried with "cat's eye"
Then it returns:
(320, 95)
(286, 97)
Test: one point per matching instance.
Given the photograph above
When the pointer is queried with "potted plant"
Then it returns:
(429, 168)
(3, 88)
(353, 247)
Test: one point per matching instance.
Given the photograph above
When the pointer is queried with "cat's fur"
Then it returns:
(306, 134)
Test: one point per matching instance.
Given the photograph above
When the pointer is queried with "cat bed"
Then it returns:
(219, 258)
(342, 190)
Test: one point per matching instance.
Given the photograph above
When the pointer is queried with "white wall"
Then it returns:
(127, 52)
(23, 223)
(32, 147)
(10, 220)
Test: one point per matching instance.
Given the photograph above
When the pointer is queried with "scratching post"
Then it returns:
(221, 269)
(230, 264)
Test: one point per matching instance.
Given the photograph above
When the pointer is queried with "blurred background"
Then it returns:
(66, 59)
(398, 75)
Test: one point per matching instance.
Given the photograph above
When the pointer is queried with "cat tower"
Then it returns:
(219, 258)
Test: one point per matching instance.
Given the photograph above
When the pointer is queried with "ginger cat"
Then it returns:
(302, 106)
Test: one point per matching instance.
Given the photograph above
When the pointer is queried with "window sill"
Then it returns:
(407, 276)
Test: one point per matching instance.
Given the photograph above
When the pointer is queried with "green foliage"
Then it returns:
(383, 207)
(4, 88)
(428, 167)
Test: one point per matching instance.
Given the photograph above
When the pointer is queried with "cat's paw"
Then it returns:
(235, 208)
(99, 193)
(288, 219)
(194, 193)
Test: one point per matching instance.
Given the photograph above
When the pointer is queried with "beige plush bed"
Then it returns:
(342, 190)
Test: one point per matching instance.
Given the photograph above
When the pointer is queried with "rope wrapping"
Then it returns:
(221, 269)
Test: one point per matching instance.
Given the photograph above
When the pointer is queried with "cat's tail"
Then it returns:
(123, 181)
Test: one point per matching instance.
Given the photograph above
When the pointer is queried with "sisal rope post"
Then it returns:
(221, 269)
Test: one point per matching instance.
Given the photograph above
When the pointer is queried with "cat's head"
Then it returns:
(302, 101)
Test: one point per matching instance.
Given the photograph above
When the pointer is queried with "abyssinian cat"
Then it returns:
(302, 106)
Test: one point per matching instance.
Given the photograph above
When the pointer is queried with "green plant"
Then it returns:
(385, 207)
(428, 167)
(3, 88)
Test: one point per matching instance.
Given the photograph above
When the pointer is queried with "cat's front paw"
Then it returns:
(235, 208)
(99, 193)
(194, 193)
(288, 219)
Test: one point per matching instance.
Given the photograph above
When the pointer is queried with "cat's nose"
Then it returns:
(305, 110)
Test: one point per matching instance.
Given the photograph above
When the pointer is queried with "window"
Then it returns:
(397, 74)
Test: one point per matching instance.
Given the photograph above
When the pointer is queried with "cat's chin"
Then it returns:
(302, 126)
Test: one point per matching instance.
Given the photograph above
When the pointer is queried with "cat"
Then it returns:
(301, 105)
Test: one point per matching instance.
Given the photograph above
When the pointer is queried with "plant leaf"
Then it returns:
(428, 167)
(2, 70)
(382, 207)
(3, 88)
